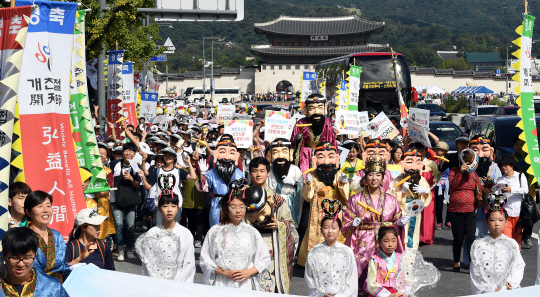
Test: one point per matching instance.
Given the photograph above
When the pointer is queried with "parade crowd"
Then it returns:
(257, 211)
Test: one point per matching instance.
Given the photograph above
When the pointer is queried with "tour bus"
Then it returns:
(377, 83)
(232, 94)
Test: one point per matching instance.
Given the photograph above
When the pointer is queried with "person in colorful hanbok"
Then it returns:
(373, 147)
(352, 163)
(365, 213)
(383, 266)
(234, 254)
(271, 216)
(315, 128)
(326, 183)
(416, 187)
(50, 257)
(330, 266)
(285, 178)
(166, 250)
(215, 180)
(505, 272)
(19, 251)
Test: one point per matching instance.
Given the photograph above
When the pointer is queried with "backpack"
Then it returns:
(77, 249)
(529, 213)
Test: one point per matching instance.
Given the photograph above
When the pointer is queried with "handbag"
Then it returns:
(529, 213)
(479, 200)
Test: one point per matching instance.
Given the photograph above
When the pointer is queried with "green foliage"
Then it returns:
(497, 101)
(456, 64)
(122, 24)
(456, 105)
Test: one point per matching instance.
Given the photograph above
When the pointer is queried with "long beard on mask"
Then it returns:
(483, 166)
(281, 170)
(327, 176)
(225, 169)
(415, 176)
(318, 124)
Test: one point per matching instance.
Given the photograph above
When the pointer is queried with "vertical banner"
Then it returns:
(307, 78)
(47, 143)
(148, 105)
(343, 96)
(276, 125)
(128, 94)
(242, 132)
(402, 107)
(12, 32)
(114, 90)
(354, 86)
(525, 99)
(79, 110)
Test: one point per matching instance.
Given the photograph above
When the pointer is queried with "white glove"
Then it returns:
(405, 187)
(74, 266)
(403, 221)
(309, 178)
(288, 181)
(343, 178)
(202, 166)
(420, 190)
(356, 222)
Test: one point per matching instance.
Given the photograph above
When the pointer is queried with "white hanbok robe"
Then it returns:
(331, 267)
(185, 260)
(234, 247)
(479, 285)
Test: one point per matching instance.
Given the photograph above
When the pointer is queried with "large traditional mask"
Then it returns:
(281, 153)
(376, 147)
(327, 161)
(482, 147)
(226, 158)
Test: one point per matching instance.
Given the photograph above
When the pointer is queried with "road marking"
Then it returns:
(535, 236)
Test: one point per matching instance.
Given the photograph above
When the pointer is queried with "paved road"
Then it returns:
(440, 254)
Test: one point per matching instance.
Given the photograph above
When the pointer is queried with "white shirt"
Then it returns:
(513, 203)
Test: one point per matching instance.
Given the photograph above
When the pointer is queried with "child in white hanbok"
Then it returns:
(233, 253)
(166, 251)
(506, 273)
(330, 266)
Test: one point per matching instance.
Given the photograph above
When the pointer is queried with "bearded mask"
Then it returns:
(315, 110)
(327, 161)
(482, 147)
(281, 157)
(226, 157)
(412, 165)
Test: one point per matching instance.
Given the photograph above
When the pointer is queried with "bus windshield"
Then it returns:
(377, 83)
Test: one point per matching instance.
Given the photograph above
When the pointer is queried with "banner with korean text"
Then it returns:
(47, 142)
(225, 112)
(114, 90)
(128, 94)
(242, 132)
(84, 137)
(276, 125)
(148, 105)
(12, 32)
(354, 86)
(381, 127)
(343, 96)
(307, 89)
(418, 133)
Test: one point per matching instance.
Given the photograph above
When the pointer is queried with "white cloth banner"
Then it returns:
(225, 112)
(307, 78)
(148, 105)
(276, 125)
(348, 122)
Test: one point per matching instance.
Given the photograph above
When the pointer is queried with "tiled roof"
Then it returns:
(430, 70)
(445, 71)
(316, 51)
(318, 26)
(484, 57)
(447, 55)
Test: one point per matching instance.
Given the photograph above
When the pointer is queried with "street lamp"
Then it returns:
(204, 63)
(507, 46)
(212, 84)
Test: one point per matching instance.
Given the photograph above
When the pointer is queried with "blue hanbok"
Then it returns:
(218, 188)
(50, 257)
(38, 284)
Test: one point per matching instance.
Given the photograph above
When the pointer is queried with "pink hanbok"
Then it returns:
(363, 239)
(309, 141)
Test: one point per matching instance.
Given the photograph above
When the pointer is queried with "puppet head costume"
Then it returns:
(226, 156)
(315, 110)
(281, 153)
(482, 147)
(376, 147)
(412, 165)
(327, 161)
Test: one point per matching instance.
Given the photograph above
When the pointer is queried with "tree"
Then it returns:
(123, 24)
(456, 64)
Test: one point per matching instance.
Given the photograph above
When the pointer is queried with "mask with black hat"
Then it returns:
(315, 110)
(327, 161)
(281, 152)
(226, 156)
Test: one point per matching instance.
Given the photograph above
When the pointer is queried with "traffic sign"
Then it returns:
(498, 71)
(170, 46)
(160, 58)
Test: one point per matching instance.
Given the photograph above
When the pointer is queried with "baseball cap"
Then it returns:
(89, 216)
(463, 137)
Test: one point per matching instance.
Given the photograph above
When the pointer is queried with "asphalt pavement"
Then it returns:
(440, 254)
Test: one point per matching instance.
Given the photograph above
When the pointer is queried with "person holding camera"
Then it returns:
(513, 185)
